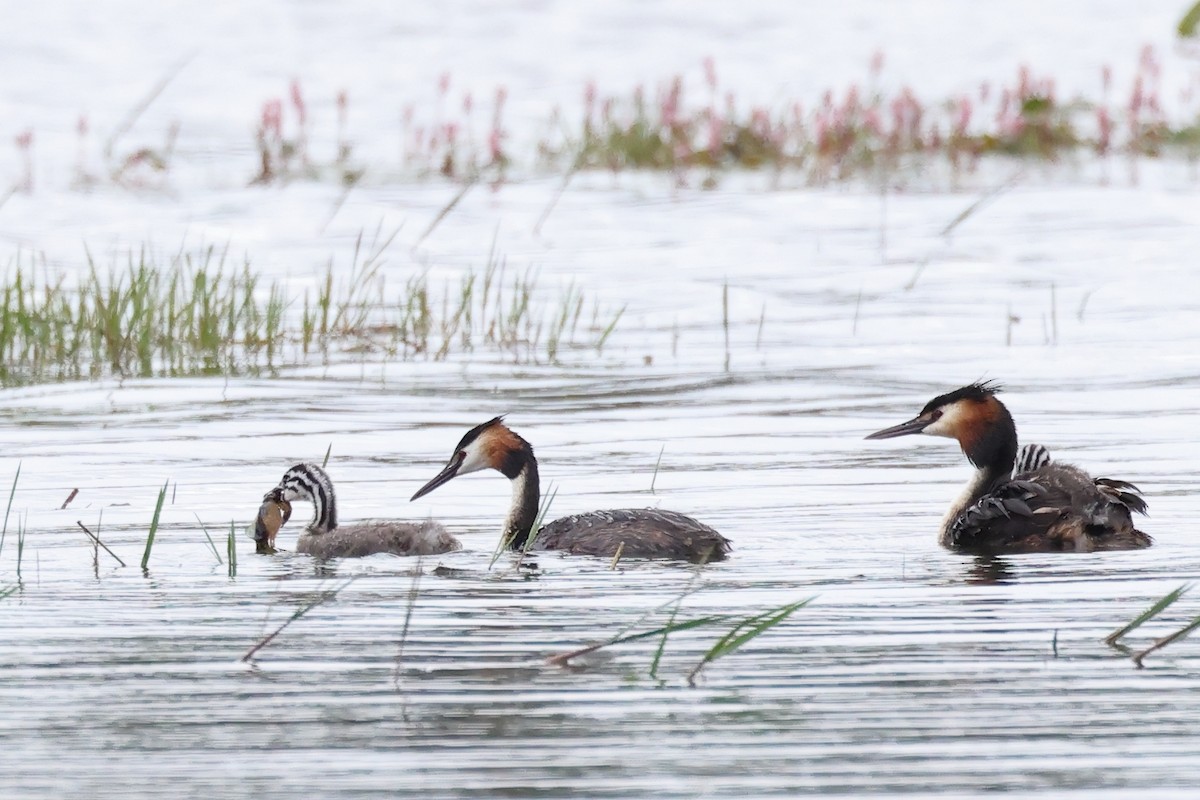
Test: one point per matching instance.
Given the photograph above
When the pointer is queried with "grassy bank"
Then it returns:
(198, 313)
(869, 127)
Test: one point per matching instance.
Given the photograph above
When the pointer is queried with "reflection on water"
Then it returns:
(989, 570)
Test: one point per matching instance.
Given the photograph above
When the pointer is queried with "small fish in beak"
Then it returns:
(273, 514)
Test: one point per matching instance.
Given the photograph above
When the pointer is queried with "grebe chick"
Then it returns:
(634, 532)
(273, 514)
(1042, 506)
(324, 538)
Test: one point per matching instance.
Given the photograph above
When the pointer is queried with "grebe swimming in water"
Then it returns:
(324, 538)
(1029, 504)
(634, 532)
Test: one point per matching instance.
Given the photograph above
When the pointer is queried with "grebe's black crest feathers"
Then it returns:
(978, 391)
(473, 434)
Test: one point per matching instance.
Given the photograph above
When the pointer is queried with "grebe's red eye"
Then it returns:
(935, 415)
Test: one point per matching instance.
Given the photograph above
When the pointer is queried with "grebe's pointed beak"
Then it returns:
(914, 425)
(446, 475)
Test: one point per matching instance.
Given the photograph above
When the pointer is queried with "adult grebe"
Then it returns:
(324, 538)
(635, 532)
(1045, 506)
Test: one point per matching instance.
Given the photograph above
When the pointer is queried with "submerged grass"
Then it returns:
(414, 592)
(197, 315)
(321, 598)
(743, 631)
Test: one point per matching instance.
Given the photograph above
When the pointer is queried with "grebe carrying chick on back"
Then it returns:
(1026, 502)
(633, 532)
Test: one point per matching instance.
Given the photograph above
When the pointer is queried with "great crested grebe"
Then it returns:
(634, 532)
(1041, 505)
(324, 538)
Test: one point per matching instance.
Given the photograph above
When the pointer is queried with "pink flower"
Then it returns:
(716, 130)
(710, 73)
(1105, 124)
(876, 63)
(298, 102)
(964, 116)
(272, 118)
(494, 148)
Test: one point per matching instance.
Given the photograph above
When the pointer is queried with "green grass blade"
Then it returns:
(662, 643)
(674, 627)
(211, 543)
(507, 540)
(325, 461)
(6, 592)
(657, 464)
(745, 631)
(20, 544)
(1148, 614)
(1190, 22)
(11, 493)
(162, 496)
(612, 326)
(1166, 640)
(231, 549)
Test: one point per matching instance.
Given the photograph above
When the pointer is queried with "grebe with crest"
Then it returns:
(634, 532)
(324, 538)
(1026, 502)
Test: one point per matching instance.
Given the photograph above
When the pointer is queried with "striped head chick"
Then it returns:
(308, 482)
(273, 514)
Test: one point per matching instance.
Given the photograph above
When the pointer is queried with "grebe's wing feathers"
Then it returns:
(1033, 457)
(360, 539)
(1010, 510)
(1123, 492)
(636, 532)
(1053, 508)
